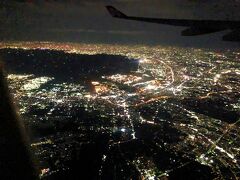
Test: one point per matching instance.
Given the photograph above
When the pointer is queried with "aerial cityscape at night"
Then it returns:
(99, 111)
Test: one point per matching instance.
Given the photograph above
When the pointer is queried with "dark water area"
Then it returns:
(65, 66)
(214, 108)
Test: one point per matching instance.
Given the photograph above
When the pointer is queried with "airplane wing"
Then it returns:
(195, 27)
(16, 158)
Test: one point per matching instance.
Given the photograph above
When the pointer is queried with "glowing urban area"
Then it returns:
(135, 112)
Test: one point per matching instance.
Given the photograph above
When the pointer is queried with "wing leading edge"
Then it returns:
(195, 27)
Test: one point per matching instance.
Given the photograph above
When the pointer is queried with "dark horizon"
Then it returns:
(89, 22)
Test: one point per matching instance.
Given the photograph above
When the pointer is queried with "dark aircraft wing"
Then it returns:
(15, 155)
(195, 27)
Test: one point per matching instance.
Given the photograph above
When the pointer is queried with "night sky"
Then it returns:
(87, 21)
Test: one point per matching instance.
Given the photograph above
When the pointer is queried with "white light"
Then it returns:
(150, 87)
(123, 129)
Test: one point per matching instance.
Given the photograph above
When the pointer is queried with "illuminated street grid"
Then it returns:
(181, 102)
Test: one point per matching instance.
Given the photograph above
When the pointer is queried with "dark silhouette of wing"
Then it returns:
(15, 155)
(195, 27)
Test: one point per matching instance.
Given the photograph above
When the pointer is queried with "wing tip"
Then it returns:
(114, 12)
